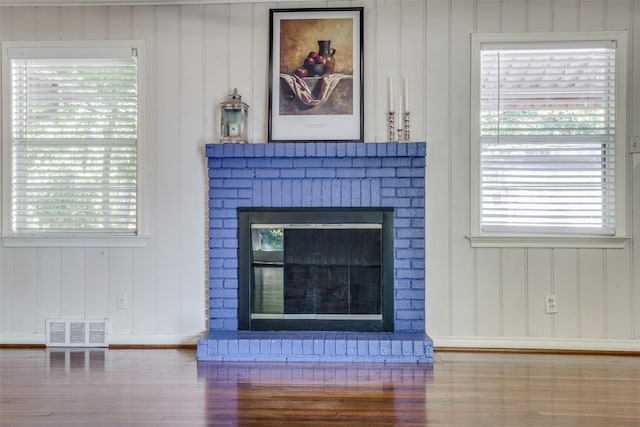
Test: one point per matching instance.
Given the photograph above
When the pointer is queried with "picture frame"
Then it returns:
(316, 82)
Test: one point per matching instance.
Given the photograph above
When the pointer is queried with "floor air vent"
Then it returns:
(77, 333)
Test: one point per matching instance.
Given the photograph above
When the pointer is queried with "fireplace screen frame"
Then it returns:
(331, 217)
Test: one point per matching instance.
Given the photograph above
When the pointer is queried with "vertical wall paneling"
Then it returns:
(144, 274)
(412, 64)
(489, 292)
(439, 290)
(71, 23)
(119, 23)
(47, 23)
(216, 34)
(260, 75)
(540, 15)
(387, 41)
(514, 17)
(94, 23)
(6, 23)
(463, 301)
(192, 185)
(168, 161)
(617, 294)
(6, 290)
(24, 23)
(565, 16)
(96, 280)
(241, 66)
(120, 269)
(592, 15)
(592, 293)
(25, 278)
(539, 284)
(634, 114)
(72, 282)
(514, 293)
(565, 279)
(48, 286)
(196, 54)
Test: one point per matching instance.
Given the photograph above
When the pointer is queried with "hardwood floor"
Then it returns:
(168, 387)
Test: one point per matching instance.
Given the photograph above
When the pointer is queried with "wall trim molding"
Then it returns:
(130, 2)
(546, 344)
(114, 339)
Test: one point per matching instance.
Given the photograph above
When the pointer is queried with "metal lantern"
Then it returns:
(233, 119)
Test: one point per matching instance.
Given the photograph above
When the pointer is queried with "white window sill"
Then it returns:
(576, 242)
(75, 241)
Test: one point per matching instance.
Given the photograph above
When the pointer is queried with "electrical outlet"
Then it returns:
(550, 303)
(634, 146)
(123, 300)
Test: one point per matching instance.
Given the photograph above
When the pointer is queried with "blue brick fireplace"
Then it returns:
(317, 175)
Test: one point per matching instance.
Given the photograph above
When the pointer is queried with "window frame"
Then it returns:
(477, 237)
(71, 239)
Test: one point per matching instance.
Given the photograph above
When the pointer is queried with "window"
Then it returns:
(549, 135)
(73, 140)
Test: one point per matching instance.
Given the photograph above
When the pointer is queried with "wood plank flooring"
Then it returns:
(168, 387)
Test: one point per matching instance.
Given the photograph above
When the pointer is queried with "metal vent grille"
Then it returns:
(77, 333)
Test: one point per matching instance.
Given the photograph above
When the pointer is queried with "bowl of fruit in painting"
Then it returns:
(313, 66)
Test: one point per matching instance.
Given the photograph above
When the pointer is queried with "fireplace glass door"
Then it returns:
(327, 276)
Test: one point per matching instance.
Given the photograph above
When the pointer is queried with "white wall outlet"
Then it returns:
(123, 300)
(550, 304)
(634, 144)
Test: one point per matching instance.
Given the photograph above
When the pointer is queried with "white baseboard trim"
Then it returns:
(114, 339)
(587, 344)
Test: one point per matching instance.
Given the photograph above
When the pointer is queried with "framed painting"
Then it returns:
(316, 75)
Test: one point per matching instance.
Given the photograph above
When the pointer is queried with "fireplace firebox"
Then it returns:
(316, 269)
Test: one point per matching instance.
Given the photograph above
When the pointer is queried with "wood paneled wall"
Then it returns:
(196, 54)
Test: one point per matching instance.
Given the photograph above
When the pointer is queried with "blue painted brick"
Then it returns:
(321, 149)
(275, 346)
(396, 162)
(286, 347)
(222, 347)
(293, 173)
(280, 149)
(331, 150)
(374, 348)
(269, 150)
(258, 150)
(385, 348)
(243, 347)
(341, 347)
(233, 346)
(296, 347)
(254, 346)
(410, 172)
(352, 347)
(407, 348)
(326, 172)
(265, 345)
(363, 347)
(307, 346)
(310, 150)
(329, 347)
(361, 149)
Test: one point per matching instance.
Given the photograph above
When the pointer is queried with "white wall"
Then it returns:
(198, 53)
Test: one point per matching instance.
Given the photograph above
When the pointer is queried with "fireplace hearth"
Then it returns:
(310, 302)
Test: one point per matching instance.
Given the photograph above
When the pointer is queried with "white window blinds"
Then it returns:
(74, 141)
(547, 135)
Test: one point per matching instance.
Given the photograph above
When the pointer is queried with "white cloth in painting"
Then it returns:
(301, 90)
